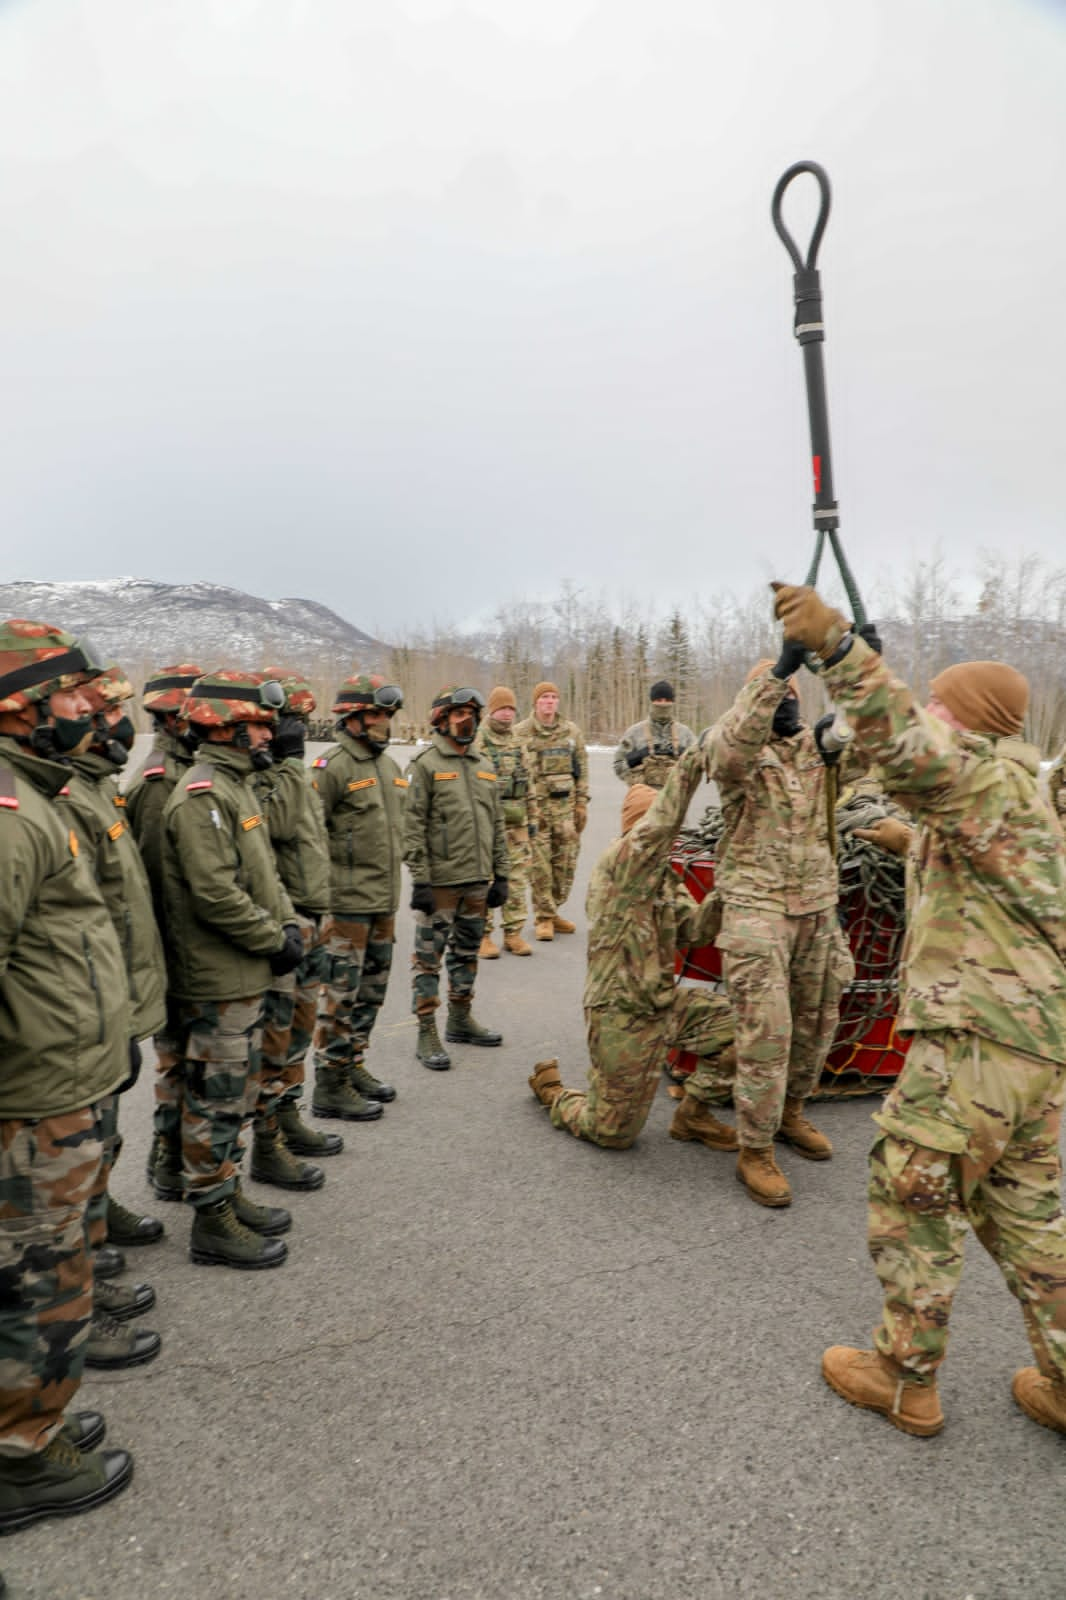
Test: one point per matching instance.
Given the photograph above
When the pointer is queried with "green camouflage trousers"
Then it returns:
(111, 1139)
(627, 1055)
(704, 1025)
(169, 1077)
(47, 1171)
(221, 1042)
(289, 1007)
(453, 933)
(520, 850)
(971, 1137)
(554, 856)
(358, 953)
(785, 976)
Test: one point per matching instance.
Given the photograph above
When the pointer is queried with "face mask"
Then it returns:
(662, 714)
(56, 740)
(124, 731)
(787, 719)
(463, 730)
(378, 735)
(113, 742)
(190, 739)
(262, 758)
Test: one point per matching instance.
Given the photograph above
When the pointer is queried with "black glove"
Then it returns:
(498, 892)
(289, 738)
(793, 656)
(422, 898)
(869, 633)
(135, 1068)
(635, 757)
(288, 958)
(821, 728)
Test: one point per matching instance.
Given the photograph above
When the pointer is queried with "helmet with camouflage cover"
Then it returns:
(299, 696)
(455, 697)
(37, 660)
(367, 691)
(110, 688)
(166, 689)
(229, 696)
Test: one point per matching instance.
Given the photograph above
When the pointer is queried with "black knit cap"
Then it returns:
(661, 691)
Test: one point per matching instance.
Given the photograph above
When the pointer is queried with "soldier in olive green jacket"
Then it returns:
(456, 848)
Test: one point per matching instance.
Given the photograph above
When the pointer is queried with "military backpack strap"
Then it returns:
(9, 800)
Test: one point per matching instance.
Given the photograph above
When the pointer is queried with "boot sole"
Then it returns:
(11, 1522)
(803, 1150)
(777, 1203)
(917, 1430)
(437, 1066)
(313, 1150)
(203, 1259)
(135, 1244)
(347, 1116)
(459, 1038)
(495, 956)
(120, 1363)
(698, 1138)
(290, 1183)
(128, 1313)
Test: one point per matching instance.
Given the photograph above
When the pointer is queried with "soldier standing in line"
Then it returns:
(639, 913)
(229, 926)
(97, 811)
(501, 744)
(171, 757)
(560, 771)
(970, 1132)
(362, 793)
(298, 837)
(785, 960)
(456, 849)
(649, 750)
(63, 1052)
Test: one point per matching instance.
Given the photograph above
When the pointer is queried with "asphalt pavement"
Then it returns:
(503, 1365)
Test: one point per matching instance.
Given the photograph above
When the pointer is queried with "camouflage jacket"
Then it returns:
(453, 829)
(558, 761)
(774, 852)
(363, 797)
(663, 739)
(505, 750)
(297, 833)
(64, 1016)
(98, 813)
(1056, 787)
(985, 947)
(225, 904)
(638, 909)
(146, 798)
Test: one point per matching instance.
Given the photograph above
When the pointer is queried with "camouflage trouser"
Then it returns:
(554, 856)
(785, 976)
(47, 1171)
(973, 1138)
(454, 932)
(520, 850)
(169, 1077)
(222, 1041)
(358, 961)
(96, 1211)
(704, 1026)
(627, 1054)
(289, 1018)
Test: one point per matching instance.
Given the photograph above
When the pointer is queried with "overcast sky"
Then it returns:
(418, 307)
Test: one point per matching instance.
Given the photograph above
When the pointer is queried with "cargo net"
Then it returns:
(867, 1053)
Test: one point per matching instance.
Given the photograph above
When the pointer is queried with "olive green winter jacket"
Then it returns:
(362, 795)
(453, 830)
(146, 799)
(64, 1016)
(297, 833)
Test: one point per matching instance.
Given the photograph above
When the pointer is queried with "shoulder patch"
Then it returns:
(116, 830)
(402, 783)
(119, 800)
(201, 778)
(251, 822)
(320, 761)
(444, 777)
(362, 783)
(153, 772)
(9, 800)
(489, 777)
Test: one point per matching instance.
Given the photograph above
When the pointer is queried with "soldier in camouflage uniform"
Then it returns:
(171, 757)
(96, 811)
(649, 750)
(970, 1132)
(298, 837)
(63, 1052)
(456, 849)
(1056, 788)
(362, 795)
(560, 769)
(501, 744)
(229, 926)
(785, 960)
(639, 912)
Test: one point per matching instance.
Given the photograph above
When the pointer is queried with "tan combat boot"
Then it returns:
(693, 1120)
(802, 1135)
(868, 1379)
(563, 924)
(517, 945)
(546, 1082)
(1041, 1398)
(762, 1177)
(544, 928)
(488, 950)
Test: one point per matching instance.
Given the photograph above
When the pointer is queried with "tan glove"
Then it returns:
(807, 619)
(889, 834)
(581, 815)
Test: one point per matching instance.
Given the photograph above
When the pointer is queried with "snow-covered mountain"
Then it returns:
(145, 624)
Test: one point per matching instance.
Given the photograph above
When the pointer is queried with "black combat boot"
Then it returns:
(59, 1481)
(429, 1049)
(273, 1163)
(365, 1083)
(267, 1220)
(128, 1228)
(301, 1139)
(111, 1346)
(219, 1240)
(123, 1301)
(463, 1028)
(335, 1097)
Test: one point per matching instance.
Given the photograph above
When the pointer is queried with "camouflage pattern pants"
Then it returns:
(358, 959)
(169, 1077)
(48, 1168)
(520, 850)
(704, 1025)
(96, 1211)
(453, 933)
(221, 1042)
(289, 1007)
(971, 1139)
(627, 1054)
(554, 856)
(785, 976)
